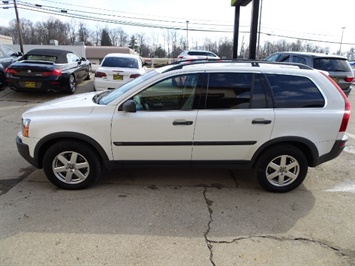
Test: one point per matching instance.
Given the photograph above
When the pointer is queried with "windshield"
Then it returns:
(126, 87)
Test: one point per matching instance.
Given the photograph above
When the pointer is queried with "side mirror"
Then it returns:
(129, 106)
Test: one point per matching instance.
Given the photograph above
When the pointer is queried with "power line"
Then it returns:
(131, 20)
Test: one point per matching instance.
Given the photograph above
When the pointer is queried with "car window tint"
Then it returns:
(120, 62)
(8, 51)
(299, 59)
(234, 91)
(197, 53)
(41, 57)
(273, 57)
(73, 58)
(175, 93)
(294, 92)
(284, 58)
(331, 64)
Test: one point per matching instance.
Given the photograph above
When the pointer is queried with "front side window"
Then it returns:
(294, 92)
(72, 58)
(234, 91)
(175, 93)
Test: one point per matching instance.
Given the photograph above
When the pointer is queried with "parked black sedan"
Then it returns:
(47, 70)
(7, 57)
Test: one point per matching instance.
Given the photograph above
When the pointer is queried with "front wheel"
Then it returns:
(282, 169)
(71, 165)
(88, 75)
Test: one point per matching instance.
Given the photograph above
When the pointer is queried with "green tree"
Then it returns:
(105, 38)
(133, 43)
(160, 52)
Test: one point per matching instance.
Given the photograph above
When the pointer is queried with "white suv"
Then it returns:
(276, 117)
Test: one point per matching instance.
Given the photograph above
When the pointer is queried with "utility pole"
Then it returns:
(187, 34)
(341, 40)
(18, 27)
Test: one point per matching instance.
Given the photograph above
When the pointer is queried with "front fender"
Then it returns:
(47, 141)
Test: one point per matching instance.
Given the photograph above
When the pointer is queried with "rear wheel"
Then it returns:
(71, 165)
(71, 85)
(282, 169)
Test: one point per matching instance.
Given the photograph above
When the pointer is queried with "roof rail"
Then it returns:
(254, 63)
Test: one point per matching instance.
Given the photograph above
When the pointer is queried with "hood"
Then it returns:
(78, 104)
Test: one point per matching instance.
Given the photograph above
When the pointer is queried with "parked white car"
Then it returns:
(275, 117)
(117, 69)
(196, 54)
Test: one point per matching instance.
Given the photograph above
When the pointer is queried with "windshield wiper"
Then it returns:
(99, 96)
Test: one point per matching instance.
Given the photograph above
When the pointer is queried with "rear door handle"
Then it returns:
(182, 123)
(261, 121)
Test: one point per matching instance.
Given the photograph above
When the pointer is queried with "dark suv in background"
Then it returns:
(7, 57)
(337, 67)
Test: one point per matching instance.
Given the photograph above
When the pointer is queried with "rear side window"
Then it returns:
(234, 91)
(331, 64)
(299, 59)
(294, 92)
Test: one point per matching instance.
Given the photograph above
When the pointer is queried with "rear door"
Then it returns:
(235, 119)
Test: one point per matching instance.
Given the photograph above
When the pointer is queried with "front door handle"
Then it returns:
(182, 123)
(261, 121)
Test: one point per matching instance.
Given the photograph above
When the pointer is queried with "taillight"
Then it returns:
(11, 71)
(56, 72)
(347, 108)
(133, 76)
(346, 116)
(349, 79)
(100, 74)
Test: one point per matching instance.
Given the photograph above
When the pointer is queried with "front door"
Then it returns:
(162, 127)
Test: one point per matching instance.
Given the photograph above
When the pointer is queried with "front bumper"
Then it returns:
(24, 152)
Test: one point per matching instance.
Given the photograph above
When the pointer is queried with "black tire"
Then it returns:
(71, 85)
(281, 168)
(71, 165)
(3, 82)
(88, 76)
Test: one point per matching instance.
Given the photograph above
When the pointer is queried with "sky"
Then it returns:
(317, 21)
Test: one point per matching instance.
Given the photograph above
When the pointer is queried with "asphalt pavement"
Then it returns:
(164, 216)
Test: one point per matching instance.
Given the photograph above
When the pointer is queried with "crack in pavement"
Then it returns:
(346, 253)
(209, 243)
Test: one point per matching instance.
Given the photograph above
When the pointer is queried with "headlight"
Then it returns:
(26, 127)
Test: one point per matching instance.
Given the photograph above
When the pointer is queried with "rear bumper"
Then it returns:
(56, 85)
(337, 149)
(24, 152)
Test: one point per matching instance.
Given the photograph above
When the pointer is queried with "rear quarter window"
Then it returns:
(294, 92)
(331, 64)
